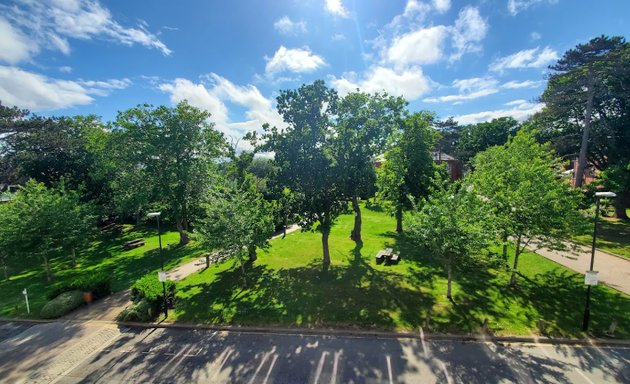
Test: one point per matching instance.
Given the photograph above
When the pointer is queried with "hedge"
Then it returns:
(62, 304)
(140, 311)
(100, 284)
(150, 289)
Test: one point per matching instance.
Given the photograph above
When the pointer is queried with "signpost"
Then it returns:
(590, 278)
(28, 309)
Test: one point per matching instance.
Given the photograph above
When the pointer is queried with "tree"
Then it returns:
(304, 154)
(364, 122)
(449, 227)
(408, 167)
(172, 151)
(530, 202)
(475, 138)
(44, 223)
(576, 93)
(237, 218)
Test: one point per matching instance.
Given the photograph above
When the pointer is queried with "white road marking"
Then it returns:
(333, 379)
(584, 376)
(389, 369)
(424, 346)
(273, 362)
(320, 366)
(225, 358)
(262, 362)
(448, 377)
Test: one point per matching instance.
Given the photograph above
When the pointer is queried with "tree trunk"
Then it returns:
(73, 254)
(240, 259)
(284, 228)
(48, 271)
(505, 238)
(516, 255)
(207, 260)
(399, 224)
(325, 232)
(183, 233)
(621, 204)
(579, 177)
(356, 231)
(5, 269)
(449, 271)
(251, 251)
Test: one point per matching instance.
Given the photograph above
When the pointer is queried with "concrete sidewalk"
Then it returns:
(614, 271)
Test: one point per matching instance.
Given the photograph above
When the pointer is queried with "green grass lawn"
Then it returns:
(106, 255)
(612, 235)
(287, 287)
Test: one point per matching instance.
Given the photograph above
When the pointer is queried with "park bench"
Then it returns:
(133, 244)
(388, 256)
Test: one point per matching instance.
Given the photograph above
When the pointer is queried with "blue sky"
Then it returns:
(473, 60)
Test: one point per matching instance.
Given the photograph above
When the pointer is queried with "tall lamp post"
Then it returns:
(591, 277)
(161, 276)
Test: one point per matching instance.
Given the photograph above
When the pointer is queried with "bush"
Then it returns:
(62, 304)
(100, 284)
(141, 311)
(149, 288)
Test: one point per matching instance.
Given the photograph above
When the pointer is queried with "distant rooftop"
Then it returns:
(441, 156)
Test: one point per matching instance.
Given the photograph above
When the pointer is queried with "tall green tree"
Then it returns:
(45, 223)
(172, 151)
(449, 225)
(578, 91)
(408, 168)
(530, 202)
(475, 138)
(305, 156)
(364, 123)
(237, 220)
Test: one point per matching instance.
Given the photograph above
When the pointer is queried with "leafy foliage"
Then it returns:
(62, 304)
(449, 226)
(149, 288)
(475, 138)
(100, 284)
(530, 201)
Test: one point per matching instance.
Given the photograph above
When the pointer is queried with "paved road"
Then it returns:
(102, 353)
(613, 270)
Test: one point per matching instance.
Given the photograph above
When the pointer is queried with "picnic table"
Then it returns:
(133, 244)
(388, 256)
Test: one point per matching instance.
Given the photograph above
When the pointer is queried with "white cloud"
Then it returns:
(423, 46)
(287, 26)
(65, 69)
(336, 8)
(516, 6)
(520, 111)
(14, 46)
(41, 93)
(469, 30)
(293, 60)
(410, 83)
(469, 89)
(441, 5)
(338, 37)
(212, 94)
(49, 24)
(523, 84)
(528, 58)
(535, 36)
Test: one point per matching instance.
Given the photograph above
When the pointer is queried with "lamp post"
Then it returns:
(162, 275)
(587, 308)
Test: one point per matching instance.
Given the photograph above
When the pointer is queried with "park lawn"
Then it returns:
(104, 255)
(287, 287)
(613, 236)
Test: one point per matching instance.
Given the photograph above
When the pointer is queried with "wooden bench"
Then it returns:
(387, 255)
(133, 244)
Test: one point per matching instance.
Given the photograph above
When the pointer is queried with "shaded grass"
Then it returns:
(106, 254)
(613, 235)
(287, 287)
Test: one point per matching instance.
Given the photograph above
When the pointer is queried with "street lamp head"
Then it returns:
(605, 194)
(154, 214)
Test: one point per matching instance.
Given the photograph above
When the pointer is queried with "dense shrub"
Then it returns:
(100, 284)
(62, 304)
(140, 311)
(149, 288)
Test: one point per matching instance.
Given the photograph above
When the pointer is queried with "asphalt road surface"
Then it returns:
(73, 352)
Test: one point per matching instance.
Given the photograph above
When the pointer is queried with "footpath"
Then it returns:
(614, 270)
